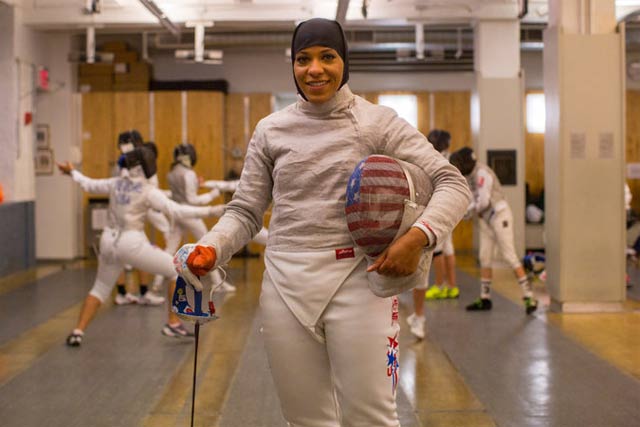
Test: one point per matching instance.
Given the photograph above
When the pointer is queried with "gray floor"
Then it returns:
(30, 305)
(523, 370)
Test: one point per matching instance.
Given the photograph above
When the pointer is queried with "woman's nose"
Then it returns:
(315, 67)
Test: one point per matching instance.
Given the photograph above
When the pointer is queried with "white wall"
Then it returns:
(28, 45)
(21, 51)
(8, 106)
(57, 215)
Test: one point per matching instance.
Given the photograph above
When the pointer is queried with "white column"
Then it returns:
(497, 108)
(584, 156)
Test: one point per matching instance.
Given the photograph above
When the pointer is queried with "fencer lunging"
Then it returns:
(332, 344)
(123, 241)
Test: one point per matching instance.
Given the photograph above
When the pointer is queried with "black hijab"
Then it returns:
(320, 32)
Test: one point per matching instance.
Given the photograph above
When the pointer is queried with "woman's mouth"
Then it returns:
(318, 84)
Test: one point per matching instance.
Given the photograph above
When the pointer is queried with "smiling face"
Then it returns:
(318, 71)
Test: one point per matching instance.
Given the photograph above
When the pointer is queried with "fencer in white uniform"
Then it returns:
(123, 241)
(127, 141)
(443, 258)
(184, 184)
(332, 344)
(496, 228)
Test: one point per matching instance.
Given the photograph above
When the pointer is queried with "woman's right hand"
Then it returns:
(201, 260)
(65, 167)
(193, 261)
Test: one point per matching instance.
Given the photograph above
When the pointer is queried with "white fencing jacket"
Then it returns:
(300, 160)
(131, 198)
(488, 197)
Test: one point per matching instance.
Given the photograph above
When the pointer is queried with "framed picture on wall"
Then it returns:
(42, 137)
(44, 162)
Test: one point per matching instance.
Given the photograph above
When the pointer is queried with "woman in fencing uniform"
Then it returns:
(332, 343)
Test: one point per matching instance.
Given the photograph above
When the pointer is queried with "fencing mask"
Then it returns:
(186, 154)
(138, 161)
(385, 196)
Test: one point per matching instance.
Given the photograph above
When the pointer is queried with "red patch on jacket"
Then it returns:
(345, 253)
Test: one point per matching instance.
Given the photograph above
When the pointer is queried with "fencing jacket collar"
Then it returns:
(341, 100)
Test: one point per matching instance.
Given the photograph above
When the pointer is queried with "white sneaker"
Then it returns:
(151, 298)
(227, 287)
(178, 331)
(416, 325)
(126, 299)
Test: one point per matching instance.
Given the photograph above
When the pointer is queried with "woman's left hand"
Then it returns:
(403, 256)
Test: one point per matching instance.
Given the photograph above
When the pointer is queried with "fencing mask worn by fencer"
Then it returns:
(125, 142)
(186, 154)
(320, 32)
(140, 161)
(385, 196)
(128, 140)
(464, 159)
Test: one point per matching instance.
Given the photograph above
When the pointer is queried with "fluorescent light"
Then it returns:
(162, 17)
(405, 105)
(536, 115)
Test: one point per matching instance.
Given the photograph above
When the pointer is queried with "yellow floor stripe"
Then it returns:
(614, 337)
(220, 348)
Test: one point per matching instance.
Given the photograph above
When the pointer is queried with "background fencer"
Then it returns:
(444, 260)
(332, 344)
(127, 141)
(184, 184)
(496, 228)
(123, 241)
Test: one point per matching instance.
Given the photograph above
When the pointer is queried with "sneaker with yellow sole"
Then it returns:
(435, 292)
(452, 293)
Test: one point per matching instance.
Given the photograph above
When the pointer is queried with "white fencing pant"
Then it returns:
(129, 247)
(498, 231)
(348, 381)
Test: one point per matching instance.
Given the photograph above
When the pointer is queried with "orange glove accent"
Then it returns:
(201, 260)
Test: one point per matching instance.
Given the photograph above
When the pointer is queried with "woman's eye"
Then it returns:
(302, 60)
(328, 57)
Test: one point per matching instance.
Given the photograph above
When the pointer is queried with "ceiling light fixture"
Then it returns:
(199, 54)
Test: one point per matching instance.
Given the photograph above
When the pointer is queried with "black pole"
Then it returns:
(195, 367)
